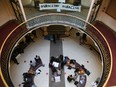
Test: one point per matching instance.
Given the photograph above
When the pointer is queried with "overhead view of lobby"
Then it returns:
(45, 47)
(57, 43)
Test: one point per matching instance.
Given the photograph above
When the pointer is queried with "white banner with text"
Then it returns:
(59, 7)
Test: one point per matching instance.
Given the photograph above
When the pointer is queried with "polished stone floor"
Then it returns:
(71, 48)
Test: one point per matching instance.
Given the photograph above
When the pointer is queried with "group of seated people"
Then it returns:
(33, 70)
(79, 83)
(79, 70)
(36, 63)
(55, 65)
(72, 64)
(28, 79)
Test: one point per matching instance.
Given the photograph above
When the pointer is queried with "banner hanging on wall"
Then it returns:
(59, 7)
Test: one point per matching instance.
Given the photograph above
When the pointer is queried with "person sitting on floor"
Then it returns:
(53, 70)
(76, 70)
(61, 58)
(70, 78)
(81, 71)
(72, 61)
(75, 76)
(76, 83)
(94, 84)
(28, 79)
(32, 63)
(59, 72)
(37, 59)
(66, 58)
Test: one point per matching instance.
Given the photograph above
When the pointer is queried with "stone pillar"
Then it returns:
(45, 31)
(67, 33)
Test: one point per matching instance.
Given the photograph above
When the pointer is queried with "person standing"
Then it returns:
(54, 38)
(36, 3)
(28, 39)
(83, 38)
(13, 58)
(34, 33)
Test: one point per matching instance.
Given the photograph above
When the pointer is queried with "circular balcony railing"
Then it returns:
(56, 19)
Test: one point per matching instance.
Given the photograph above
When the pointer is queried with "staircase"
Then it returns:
(56, 29)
